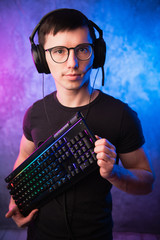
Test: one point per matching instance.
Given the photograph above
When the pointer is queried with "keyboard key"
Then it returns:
(77, 138)
(61, 142)
(73, 141)
(76, 146)
(81, 134)
(69, 144)
(84, 165)
(87, 143)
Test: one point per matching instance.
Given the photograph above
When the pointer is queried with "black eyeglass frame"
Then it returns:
(68, 49)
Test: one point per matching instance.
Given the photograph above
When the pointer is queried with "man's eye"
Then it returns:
(58, 51)
(82, 49)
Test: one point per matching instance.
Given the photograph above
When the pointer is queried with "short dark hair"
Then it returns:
(61, 20)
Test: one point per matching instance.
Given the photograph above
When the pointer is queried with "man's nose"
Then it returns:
(72, 61)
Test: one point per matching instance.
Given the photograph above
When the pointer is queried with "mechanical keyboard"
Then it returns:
(60, 162)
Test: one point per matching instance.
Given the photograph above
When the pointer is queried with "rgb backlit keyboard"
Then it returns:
(60, 162)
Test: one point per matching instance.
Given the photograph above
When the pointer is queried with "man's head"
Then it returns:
(62, 20)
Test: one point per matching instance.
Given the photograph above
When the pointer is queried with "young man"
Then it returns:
(67, 40)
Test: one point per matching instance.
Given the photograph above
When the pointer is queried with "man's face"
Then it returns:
(74, 73)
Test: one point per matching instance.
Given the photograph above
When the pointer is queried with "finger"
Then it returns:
(22, 221)
(32, 214)
(105, 167)
(105, 157)
(97, 137)
(103, 141)
(28, 219)
(111, 152)
(11, 212)
(104, 149)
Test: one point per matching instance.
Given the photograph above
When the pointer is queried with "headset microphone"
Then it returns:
(102, 73)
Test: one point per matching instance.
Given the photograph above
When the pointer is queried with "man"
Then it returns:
(67, 40)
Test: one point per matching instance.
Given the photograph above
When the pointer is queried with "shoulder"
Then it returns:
(110, 100)
(37, 109)
(39, 105)
(48, 99)
(114, 106)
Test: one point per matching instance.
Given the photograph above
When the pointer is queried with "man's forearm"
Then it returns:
(133, 181)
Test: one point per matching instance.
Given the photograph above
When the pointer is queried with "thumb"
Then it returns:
(11, 212)
(97, 137)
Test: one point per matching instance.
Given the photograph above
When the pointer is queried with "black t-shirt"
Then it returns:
(88, 205)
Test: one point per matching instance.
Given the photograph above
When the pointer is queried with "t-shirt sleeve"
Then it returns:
(27, 124)
(131, 135)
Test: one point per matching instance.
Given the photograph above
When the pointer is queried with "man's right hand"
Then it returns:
(18, 218)
(26, 149)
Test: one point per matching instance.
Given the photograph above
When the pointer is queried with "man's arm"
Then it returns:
(135, 177)
(26, 149)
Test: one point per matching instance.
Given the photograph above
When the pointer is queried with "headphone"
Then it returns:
(38, 53)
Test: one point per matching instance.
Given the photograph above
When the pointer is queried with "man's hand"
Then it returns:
(135, 176)
(26, 149)
(18, 218)
(106, 156)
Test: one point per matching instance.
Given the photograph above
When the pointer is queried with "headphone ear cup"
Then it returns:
(39, 59)
(99, 53)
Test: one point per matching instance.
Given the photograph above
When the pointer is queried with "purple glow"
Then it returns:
(132, 71)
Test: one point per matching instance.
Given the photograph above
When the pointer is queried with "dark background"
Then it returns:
(132, 70)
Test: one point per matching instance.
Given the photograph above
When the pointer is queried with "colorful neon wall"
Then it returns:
(132, 70)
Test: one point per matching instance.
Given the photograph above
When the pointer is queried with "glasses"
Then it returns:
(60, 54)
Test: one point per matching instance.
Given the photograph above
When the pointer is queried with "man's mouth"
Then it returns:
(73, 75)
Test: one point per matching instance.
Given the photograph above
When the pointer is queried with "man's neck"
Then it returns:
(77, 98)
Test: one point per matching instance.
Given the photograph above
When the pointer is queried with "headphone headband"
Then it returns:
(97, 28)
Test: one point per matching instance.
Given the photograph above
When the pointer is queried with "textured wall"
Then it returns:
(132, 32)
